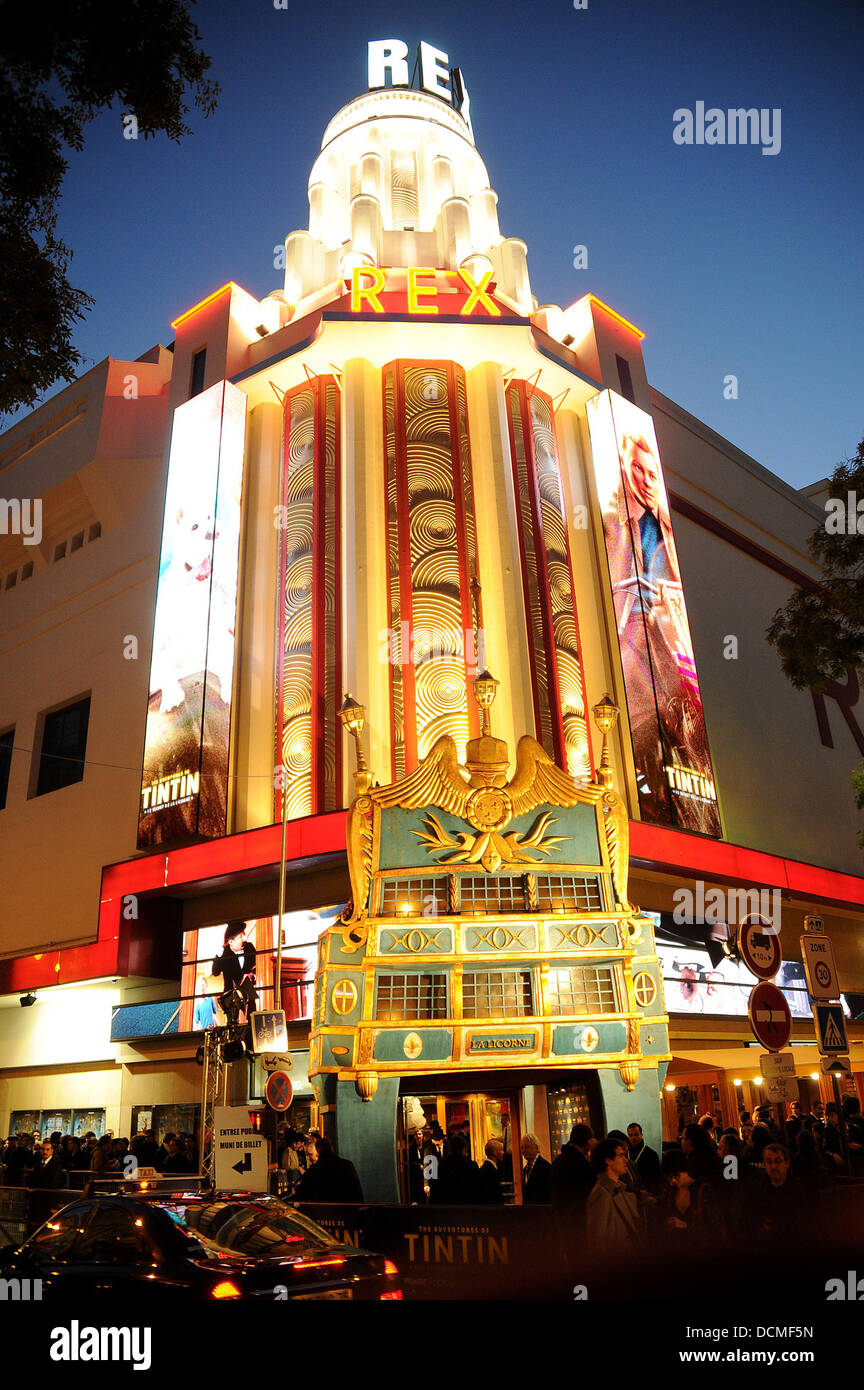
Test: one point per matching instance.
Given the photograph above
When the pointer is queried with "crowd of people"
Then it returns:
(26, 1160)
(714, 1187)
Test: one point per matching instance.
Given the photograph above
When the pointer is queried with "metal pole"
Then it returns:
(277, 992)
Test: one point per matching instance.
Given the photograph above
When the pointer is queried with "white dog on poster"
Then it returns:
(191, 597)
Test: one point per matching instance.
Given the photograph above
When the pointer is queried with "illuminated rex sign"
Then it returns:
(389, 57)
(421, 290)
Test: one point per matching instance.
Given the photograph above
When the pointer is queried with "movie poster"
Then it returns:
(674, 773)
(185, 780)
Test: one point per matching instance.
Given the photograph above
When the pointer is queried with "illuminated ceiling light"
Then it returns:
(670, 1087)
(737, 1081)
(757, 1080)
(814, 1076)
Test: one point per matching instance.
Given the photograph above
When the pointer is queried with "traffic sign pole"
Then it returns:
(822, 984)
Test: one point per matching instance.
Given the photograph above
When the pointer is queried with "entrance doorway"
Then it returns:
(477, 1117)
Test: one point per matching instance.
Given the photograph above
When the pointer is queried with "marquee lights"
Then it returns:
(368, 282)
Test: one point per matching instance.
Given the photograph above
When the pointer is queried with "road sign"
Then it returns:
(830, 1029)
(818, 956)
(777, 1064)
(778, 1088)
(814, 924)
(770, 1017)
(759, 946)
(831, 1064)
(269, 1033)
(279, 1092)
(240, 1154)
(276, 1061)
(778, 1069)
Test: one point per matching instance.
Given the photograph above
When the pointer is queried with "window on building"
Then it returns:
(625, 378)
(414, 896)
(7, 741)
(60, 551)
(496, 993)
(95, 531)
(64, 741)
(11, 579)
(582, 989)
(199, 362)
(492, 894)
(76, 542)
(27, 571)
(410, 996)
(568, 893)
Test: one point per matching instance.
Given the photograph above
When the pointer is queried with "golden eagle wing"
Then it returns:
(437, 781)
(538, 779)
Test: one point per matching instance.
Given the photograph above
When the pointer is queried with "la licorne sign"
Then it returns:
(388, 59)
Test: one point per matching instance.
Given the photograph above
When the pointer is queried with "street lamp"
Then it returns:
(353, 718)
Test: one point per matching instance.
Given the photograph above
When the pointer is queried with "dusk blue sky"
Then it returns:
(731, 261)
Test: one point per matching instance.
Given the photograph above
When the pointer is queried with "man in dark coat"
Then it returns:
(573, 1177)
(330, 1178)
(646, 1161)
(458, 1177)
(536, 1174)
(51, 1172)
(489, 1181)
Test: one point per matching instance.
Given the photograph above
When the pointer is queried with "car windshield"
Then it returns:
(252, 1228)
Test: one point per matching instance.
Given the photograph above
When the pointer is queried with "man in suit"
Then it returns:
(645, 1160)
(536, 1174)
(236, 964)
(489, 1184)
(656, 646)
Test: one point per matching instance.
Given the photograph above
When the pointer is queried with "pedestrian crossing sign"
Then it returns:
(831, 1029)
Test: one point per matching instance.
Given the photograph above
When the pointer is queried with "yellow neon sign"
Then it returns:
(367, 282)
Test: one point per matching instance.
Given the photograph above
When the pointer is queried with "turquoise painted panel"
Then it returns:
(568, 936)
(500, 936)
(404, 837)
(416, 939)
(571, 1037)
(366, 1134)
(331, 1040)
(336, 950)
(437, 1045)
(642, 1104)
(659, 1033)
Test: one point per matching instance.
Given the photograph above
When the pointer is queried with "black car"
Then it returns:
(174, 1245)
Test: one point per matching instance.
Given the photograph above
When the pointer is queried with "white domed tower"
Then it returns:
(399, 183)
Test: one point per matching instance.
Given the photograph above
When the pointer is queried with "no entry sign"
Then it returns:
(770, 1017)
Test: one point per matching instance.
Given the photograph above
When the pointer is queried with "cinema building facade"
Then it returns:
(392, 476)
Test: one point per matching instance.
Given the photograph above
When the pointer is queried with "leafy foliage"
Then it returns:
(819, 633)
(62, 64)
